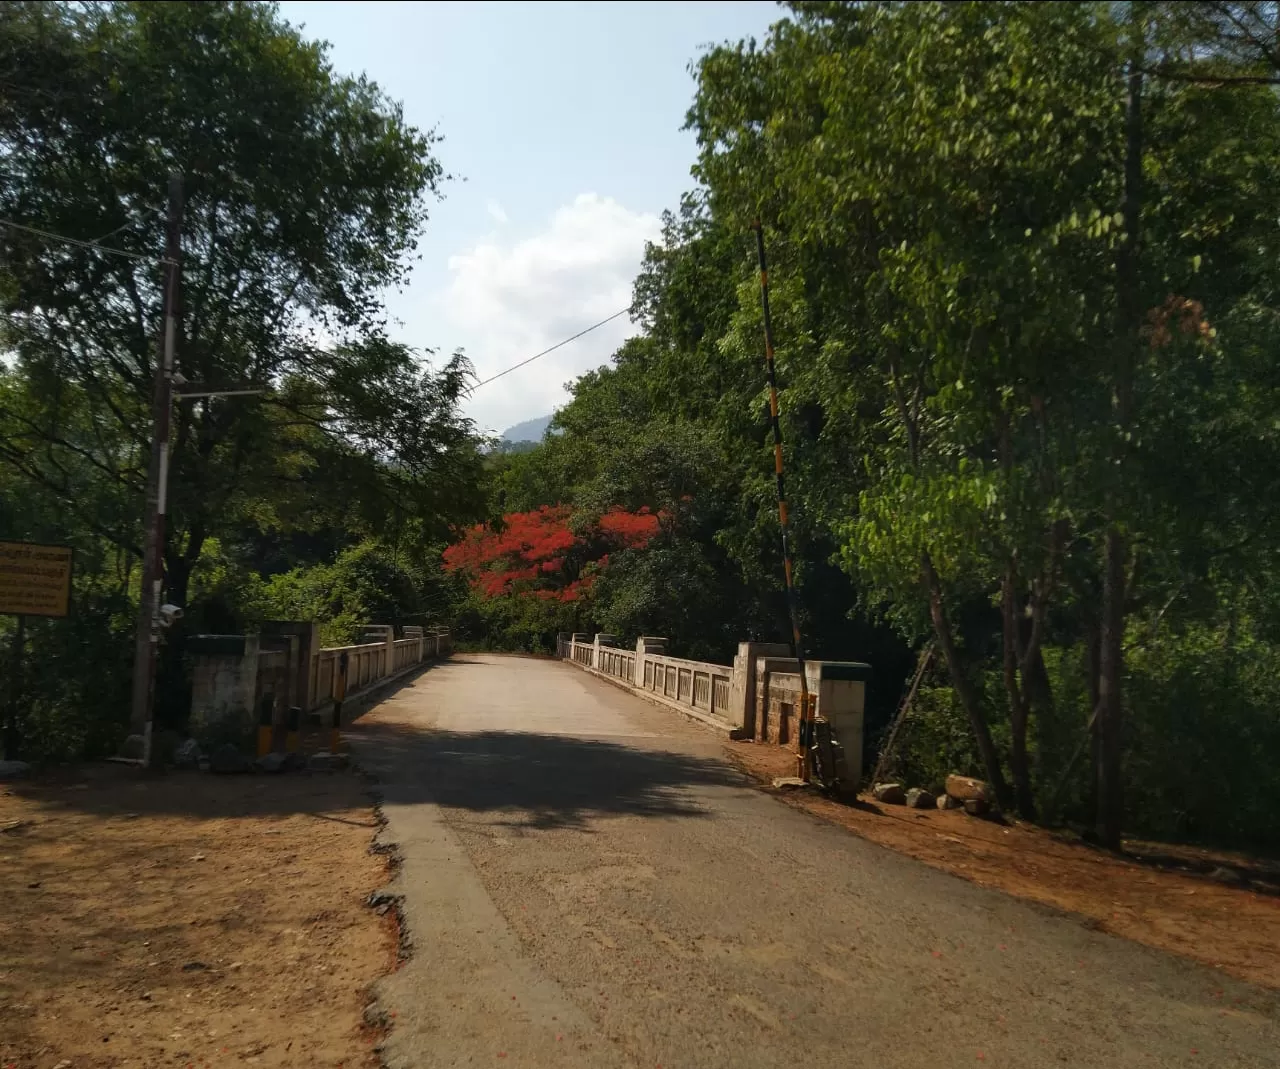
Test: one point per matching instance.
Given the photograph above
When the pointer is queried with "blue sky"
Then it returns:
(564, 122)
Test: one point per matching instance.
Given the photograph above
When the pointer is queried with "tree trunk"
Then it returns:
(1092, 670)
(1110, 723)
(1040, 695)
(1018, 711)
(13, 699)
(963, 686)
(1110, 816)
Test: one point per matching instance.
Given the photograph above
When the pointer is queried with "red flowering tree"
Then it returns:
(546, 554)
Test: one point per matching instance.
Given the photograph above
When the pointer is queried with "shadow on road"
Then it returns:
(526, 780)
(533, 780)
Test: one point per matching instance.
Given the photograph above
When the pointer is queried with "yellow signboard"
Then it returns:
(35, 580)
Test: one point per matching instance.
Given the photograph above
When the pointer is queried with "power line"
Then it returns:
(83, 244)
(145, 259)
(558, 345)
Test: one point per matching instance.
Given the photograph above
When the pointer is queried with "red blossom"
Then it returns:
(531, 553)
(632, 529)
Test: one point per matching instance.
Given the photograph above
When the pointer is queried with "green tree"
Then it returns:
(988, 339)
(305, 191)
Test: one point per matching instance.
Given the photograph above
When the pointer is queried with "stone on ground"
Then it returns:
(919, 798)
(10, 770)
(1227, 875)
(966, 788)
(187, 754)
(324, 761)
(945, 801)
(977, 807)
(134, 747)
(226, 758)
(270, 762)
(889, 793)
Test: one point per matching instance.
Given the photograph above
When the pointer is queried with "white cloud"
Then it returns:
(510, 299)
(496, 211)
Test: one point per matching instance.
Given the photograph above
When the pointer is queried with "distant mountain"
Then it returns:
(531, 430)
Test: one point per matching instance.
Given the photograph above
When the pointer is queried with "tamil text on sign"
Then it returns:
(35, 580)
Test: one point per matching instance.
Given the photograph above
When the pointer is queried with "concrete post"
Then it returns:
(386, 635)
(741, 713)
(841, 687)
(645, 645)
(224, 685)
(601, 640)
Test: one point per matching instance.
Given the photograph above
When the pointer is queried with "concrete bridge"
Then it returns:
(587, 882)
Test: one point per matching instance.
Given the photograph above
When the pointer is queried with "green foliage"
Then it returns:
(989, 375)
(304, 194)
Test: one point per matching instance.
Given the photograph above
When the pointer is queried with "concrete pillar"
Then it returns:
(385, 635)
(645, 645)
(602, 639)
(302, 685)
(224, 683)
(741, 713)
(841, 687)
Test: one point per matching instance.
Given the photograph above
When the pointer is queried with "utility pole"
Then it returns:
(148, 636)
(793, 607)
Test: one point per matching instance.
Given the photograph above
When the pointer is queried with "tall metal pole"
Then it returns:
(806, 711)
(148, 635)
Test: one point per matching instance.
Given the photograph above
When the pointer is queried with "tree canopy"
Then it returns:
(304, 195)
(1026, 299)
(1025, 296)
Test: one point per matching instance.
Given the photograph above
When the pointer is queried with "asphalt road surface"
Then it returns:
(587, 883)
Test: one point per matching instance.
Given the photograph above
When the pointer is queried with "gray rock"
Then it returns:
(977, 807)
(270, 762)
(187, 754)
(11, 770)
(164, 744)
(1229, 876)
(889, 793)
(323, 761)
(294, 761)
(226, 758)
(133, 747)
(918, 798)
(334, 761)
(945, 801)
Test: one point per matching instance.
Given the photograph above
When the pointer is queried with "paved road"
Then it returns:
(588, 884)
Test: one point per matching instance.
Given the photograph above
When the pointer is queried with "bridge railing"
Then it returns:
(700, 688)
(700, 685)
(249, 677)
(756, 697)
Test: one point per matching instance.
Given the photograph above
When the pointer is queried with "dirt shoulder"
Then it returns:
(1230, 928)
(191, 920)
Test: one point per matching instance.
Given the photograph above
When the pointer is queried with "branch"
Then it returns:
(1210, 81)
(64, 494)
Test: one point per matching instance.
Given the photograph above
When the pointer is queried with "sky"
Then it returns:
(562, 129)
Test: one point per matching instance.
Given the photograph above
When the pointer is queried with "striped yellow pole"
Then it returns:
(806, 704)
